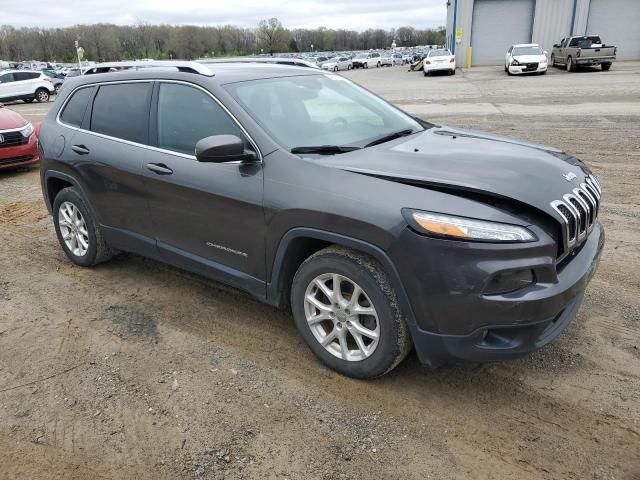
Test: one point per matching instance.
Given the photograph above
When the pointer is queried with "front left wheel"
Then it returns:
(348, 313)
(78, 232)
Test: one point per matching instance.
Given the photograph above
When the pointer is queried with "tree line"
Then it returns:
(107, 42)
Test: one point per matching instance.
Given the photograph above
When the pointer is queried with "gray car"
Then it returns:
(381, 232)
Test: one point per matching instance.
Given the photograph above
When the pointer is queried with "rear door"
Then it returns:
(206, 216)
(108, 151)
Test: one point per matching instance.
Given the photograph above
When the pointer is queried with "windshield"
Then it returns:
(439, 53)
(361, 55)
(320, 110)
(527, 51)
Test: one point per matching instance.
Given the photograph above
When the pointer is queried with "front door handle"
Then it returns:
(80, 149)
(159, 168)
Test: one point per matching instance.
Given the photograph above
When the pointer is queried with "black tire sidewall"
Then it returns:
(387, 350)
(70, 195)
(38, 97)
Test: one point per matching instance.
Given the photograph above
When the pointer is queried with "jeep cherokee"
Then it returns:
(382, 232)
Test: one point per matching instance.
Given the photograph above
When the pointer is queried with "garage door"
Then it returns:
(616, 21)
(498, 24)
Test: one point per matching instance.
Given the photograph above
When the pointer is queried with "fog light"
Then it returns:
(510, 281)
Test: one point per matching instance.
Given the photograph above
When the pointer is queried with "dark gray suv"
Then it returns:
(381, 231)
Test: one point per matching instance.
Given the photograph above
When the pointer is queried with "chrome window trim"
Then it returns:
(150, 147)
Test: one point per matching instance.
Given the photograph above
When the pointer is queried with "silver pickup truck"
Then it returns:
(574, 52)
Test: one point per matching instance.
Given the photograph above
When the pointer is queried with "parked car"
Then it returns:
(390, 59)
(57, 79)
(18, 140)
(366, 60)
(263, 179)
(525, 58)
(25, 85)
(574, 52)
(439, 60)
(338, 63)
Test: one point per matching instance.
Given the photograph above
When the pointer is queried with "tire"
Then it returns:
(544, 72)
(57, 88)
(349, 67)
(335, 69)
(374, 357)
(553, 60)
(570, 65)
(365, 65)
(42, 95)
(96, 250)
(28, 100)
(453, 72)
(378, 65)
(426, 74)
(506, 69)
(606, 66)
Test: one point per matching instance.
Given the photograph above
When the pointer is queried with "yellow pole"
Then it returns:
(469, 55)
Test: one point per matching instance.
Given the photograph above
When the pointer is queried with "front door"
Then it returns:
(207, 216)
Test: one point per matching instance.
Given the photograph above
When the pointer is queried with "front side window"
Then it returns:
(186, 115)
(314, 110)
(7, 77)
(121, 111)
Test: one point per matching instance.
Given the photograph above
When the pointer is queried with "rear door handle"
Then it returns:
(80, 149)
(159, 168)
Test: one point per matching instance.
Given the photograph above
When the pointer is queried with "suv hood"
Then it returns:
(472, 161)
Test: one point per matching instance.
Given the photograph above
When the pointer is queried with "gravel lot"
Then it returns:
(139, 370)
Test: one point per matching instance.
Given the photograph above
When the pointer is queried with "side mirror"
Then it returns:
(556, 45)
(223, 148)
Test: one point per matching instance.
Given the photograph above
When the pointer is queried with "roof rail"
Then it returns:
(181, 66)
(296, 62)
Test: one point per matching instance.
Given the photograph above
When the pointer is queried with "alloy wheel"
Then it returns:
(73, 229)
(341, 317)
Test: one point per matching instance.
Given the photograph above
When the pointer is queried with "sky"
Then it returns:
(350, 14)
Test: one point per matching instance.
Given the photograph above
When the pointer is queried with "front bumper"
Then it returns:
(20, 155)
(470, 326)
(518, 69)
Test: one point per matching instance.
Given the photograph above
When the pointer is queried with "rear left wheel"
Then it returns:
(42, 95)
(348, 314)
(78, 232)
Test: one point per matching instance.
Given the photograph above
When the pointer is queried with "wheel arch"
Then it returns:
(55, 181)
(299, 243)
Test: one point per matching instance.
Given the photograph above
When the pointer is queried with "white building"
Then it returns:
(490, 27)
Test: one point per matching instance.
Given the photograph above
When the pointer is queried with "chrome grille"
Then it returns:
(579, 211)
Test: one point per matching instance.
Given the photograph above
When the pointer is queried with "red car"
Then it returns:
(18, 140)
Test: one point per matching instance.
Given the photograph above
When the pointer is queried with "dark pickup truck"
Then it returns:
(574, 52)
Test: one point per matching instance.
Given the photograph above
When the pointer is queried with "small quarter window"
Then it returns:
(73, 112)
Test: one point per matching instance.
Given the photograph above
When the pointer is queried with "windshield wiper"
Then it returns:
(324, 149)
(391, 136)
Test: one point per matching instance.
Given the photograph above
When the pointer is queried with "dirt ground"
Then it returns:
(138, 370)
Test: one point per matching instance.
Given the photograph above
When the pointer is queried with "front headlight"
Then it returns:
(462, 228)
(27, 131)
(515, 62)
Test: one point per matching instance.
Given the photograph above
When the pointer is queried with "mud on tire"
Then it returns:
(394, 342)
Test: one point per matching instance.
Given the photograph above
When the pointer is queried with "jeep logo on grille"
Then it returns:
(1, 138)
(569, 176)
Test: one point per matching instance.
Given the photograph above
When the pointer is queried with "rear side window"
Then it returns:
(26, 75)
(121, 111)
(73, 112)
(187, 115)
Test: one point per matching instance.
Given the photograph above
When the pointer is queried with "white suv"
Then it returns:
(25, 85)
